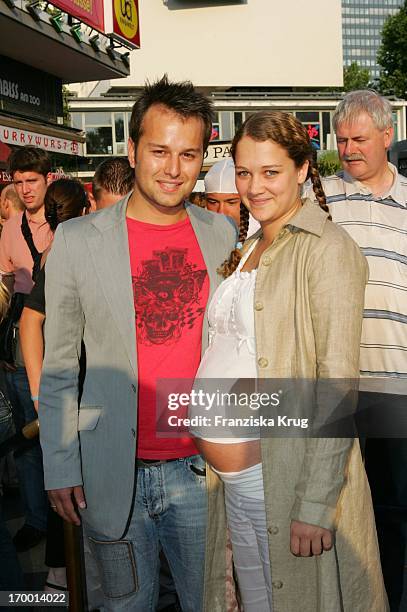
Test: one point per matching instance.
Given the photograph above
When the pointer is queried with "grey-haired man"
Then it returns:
(369, 199)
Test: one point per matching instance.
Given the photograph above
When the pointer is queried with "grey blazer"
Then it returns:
(89, 297)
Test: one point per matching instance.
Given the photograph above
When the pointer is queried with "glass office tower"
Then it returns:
(362, 22)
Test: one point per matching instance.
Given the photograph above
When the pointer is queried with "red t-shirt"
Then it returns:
(171, 288)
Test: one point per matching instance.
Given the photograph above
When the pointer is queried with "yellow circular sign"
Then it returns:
(126, 16)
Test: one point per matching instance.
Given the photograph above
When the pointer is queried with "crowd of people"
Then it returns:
(275, 274)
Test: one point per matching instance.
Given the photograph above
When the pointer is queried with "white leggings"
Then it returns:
(244, 497)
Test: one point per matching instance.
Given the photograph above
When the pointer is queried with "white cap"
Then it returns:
(221, 177)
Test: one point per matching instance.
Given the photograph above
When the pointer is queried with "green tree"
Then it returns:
(65, 104)
(328, 163)
(355, 77)
(392, 54)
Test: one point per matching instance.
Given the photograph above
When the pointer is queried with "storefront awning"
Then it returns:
(19, 132)
(36, 43)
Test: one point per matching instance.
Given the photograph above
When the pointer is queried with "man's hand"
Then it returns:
(62, 501)
(308, 540)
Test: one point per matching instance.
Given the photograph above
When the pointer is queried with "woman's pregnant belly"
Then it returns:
(230, 457)
(228, 359)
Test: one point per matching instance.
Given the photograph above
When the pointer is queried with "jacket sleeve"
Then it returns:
(337, 279)
(58, 404)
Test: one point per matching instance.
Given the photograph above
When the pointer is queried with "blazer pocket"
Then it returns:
(88, 417)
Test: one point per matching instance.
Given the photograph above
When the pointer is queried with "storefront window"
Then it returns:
(306, 116)
(76, 121)
(238, 120)
(119, 127)
(395, 126)
(215, 128)
(99, 140)
(98, 119)
(326, 127)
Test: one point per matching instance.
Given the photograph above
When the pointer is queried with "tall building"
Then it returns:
(362, 23)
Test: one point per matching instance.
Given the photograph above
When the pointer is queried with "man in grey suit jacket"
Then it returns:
(132, 282)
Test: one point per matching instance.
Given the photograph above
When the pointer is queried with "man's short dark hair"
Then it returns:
(181, 98)
(29, 159)
(113, 175)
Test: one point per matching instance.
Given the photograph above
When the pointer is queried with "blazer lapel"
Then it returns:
(110, 253)
(202, 226)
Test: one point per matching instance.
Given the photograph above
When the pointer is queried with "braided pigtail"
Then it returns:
(64, 199)
(51, 212)
(317, 187)
(230, 265)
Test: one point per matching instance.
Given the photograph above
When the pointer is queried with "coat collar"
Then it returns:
(111, 216)
(310, 218)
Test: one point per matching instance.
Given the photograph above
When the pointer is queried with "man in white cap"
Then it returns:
(222, 195)
(220, 188)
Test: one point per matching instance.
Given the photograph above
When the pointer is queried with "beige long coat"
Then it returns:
(308, 313)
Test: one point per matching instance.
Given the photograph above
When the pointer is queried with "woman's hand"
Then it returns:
(307, 540)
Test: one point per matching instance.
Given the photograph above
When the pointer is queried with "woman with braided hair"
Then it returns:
(298, 509)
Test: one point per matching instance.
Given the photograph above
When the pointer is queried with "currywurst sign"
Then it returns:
(14, 136)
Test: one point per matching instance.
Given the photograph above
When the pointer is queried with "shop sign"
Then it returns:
(216, 152)
(5, 176)
(126, 20)
(88, 11)
(17, 137)
(29, 92)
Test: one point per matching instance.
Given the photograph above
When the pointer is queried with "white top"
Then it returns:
(231, 353)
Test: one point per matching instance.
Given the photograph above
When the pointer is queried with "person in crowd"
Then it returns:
(223, 197)
(368, 198)
(10, 203)
(30, 170)
(220, 189)
(113, 179)
(11, 576)
(299, 510)
(64, 199)
(132, 282)
(198, 198)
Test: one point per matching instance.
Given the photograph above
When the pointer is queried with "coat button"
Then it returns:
(258, 306)
(133, 431)
(134, 388)
(277, 584)
(273, 530)
(263, 362)
(266, 261)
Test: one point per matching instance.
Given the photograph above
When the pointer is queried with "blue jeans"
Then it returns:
(170, 511)
(28, 461)
(11, 577)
